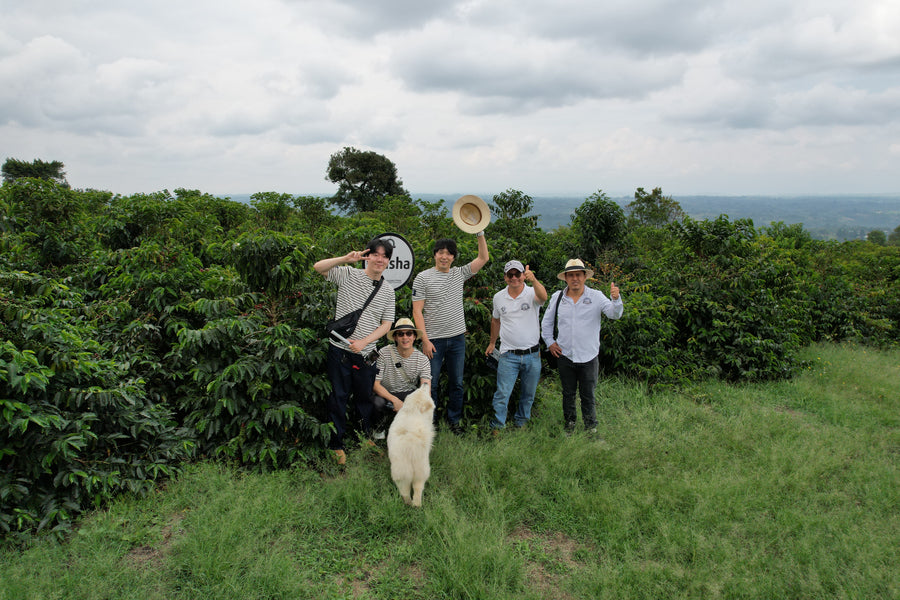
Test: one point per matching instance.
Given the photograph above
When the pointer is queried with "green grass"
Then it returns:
(778, 490)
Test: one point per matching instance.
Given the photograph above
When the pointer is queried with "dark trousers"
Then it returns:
(580, 378)
(350, 375)
(383, 411)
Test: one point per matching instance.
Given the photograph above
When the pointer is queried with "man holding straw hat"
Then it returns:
(437, 302)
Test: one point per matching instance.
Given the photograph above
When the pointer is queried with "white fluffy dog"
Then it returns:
(409, 444)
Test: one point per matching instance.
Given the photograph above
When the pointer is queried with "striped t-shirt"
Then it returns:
(354, 287)
(443, 296)
(405, 378)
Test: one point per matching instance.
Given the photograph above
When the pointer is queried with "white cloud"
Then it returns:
(548, 97)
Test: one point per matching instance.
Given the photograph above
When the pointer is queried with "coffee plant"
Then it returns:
(142, 332)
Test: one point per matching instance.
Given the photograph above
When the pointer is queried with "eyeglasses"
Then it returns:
(513, 273)
(404, 333)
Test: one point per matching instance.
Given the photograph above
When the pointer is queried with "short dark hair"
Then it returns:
(383, 243)
(447, 244)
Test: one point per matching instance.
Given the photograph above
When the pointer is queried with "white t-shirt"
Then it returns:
(519, 322)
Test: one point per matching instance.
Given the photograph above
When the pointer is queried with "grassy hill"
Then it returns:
(779, 490)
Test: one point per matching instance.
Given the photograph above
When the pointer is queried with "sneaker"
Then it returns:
(341, 457)
(378, 435)
(592, 433)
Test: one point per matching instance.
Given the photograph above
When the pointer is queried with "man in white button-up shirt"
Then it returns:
(577, 310)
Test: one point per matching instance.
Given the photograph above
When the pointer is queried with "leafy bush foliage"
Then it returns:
(140, 332)
(77, 426)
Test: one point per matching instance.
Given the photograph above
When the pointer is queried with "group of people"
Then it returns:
(379, 381)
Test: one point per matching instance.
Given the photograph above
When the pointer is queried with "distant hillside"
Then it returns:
(824, 217)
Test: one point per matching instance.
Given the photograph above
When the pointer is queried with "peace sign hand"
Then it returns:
(356, 256)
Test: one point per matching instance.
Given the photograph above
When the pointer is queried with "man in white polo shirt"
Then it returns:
(515, 320)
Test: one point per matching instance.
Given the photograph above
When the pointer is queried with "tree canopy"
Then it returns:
(877, 236)
(364, 178)
(599, 224)
(53, 171)
(140, 332)
(653, 209)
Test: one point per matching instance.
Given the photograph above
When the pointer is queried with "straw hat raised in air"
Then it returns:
(471, 214)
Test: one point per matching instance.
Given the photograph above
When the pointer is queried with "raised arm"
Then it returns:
(540, 292)
(483, 255)
(326, 264)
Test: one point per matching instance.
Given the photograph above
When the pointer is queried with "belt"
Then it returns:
(534, 348)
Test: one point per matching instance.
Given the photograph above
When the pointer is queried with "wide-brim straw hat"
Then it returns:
(575, 264)
(471, 214)
(402, 325)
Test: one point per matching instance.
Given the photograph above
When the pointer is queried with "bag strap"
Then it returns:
(556, 314)
(372, 295)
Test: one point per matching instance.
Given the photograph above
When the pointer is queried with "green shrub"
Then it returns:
(76, 426)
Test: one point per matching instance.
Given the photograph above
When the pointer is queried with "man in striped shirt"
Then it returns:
(348, 368)
(401, 370)
(437, 299)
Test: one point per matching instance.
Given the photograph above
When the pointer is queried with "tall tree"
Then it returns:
(14, 169)
(363, 178)
(894, 238)
(877, 236)
(598, 225)
(510, 214)
(653, 209)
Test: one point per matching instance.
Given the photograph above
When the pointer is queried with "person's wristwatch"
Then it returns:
(479, 234)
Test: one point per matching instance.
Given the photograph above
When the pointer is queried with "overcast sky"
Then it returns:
(562, 97)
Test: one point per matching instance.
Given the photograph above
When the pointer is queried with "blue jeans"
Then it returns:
(451, 351)
(350, 375)
(583, 377)
(509, 368)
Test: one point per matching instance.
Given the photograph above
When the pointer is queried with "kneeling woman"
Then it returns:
(401, 370)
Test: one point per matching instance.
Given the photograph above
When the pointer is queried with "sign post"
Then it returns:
(400, 269)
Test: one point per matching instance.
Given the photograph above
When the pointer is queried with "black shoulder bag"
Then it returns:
(553, 361)
(346, 325)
